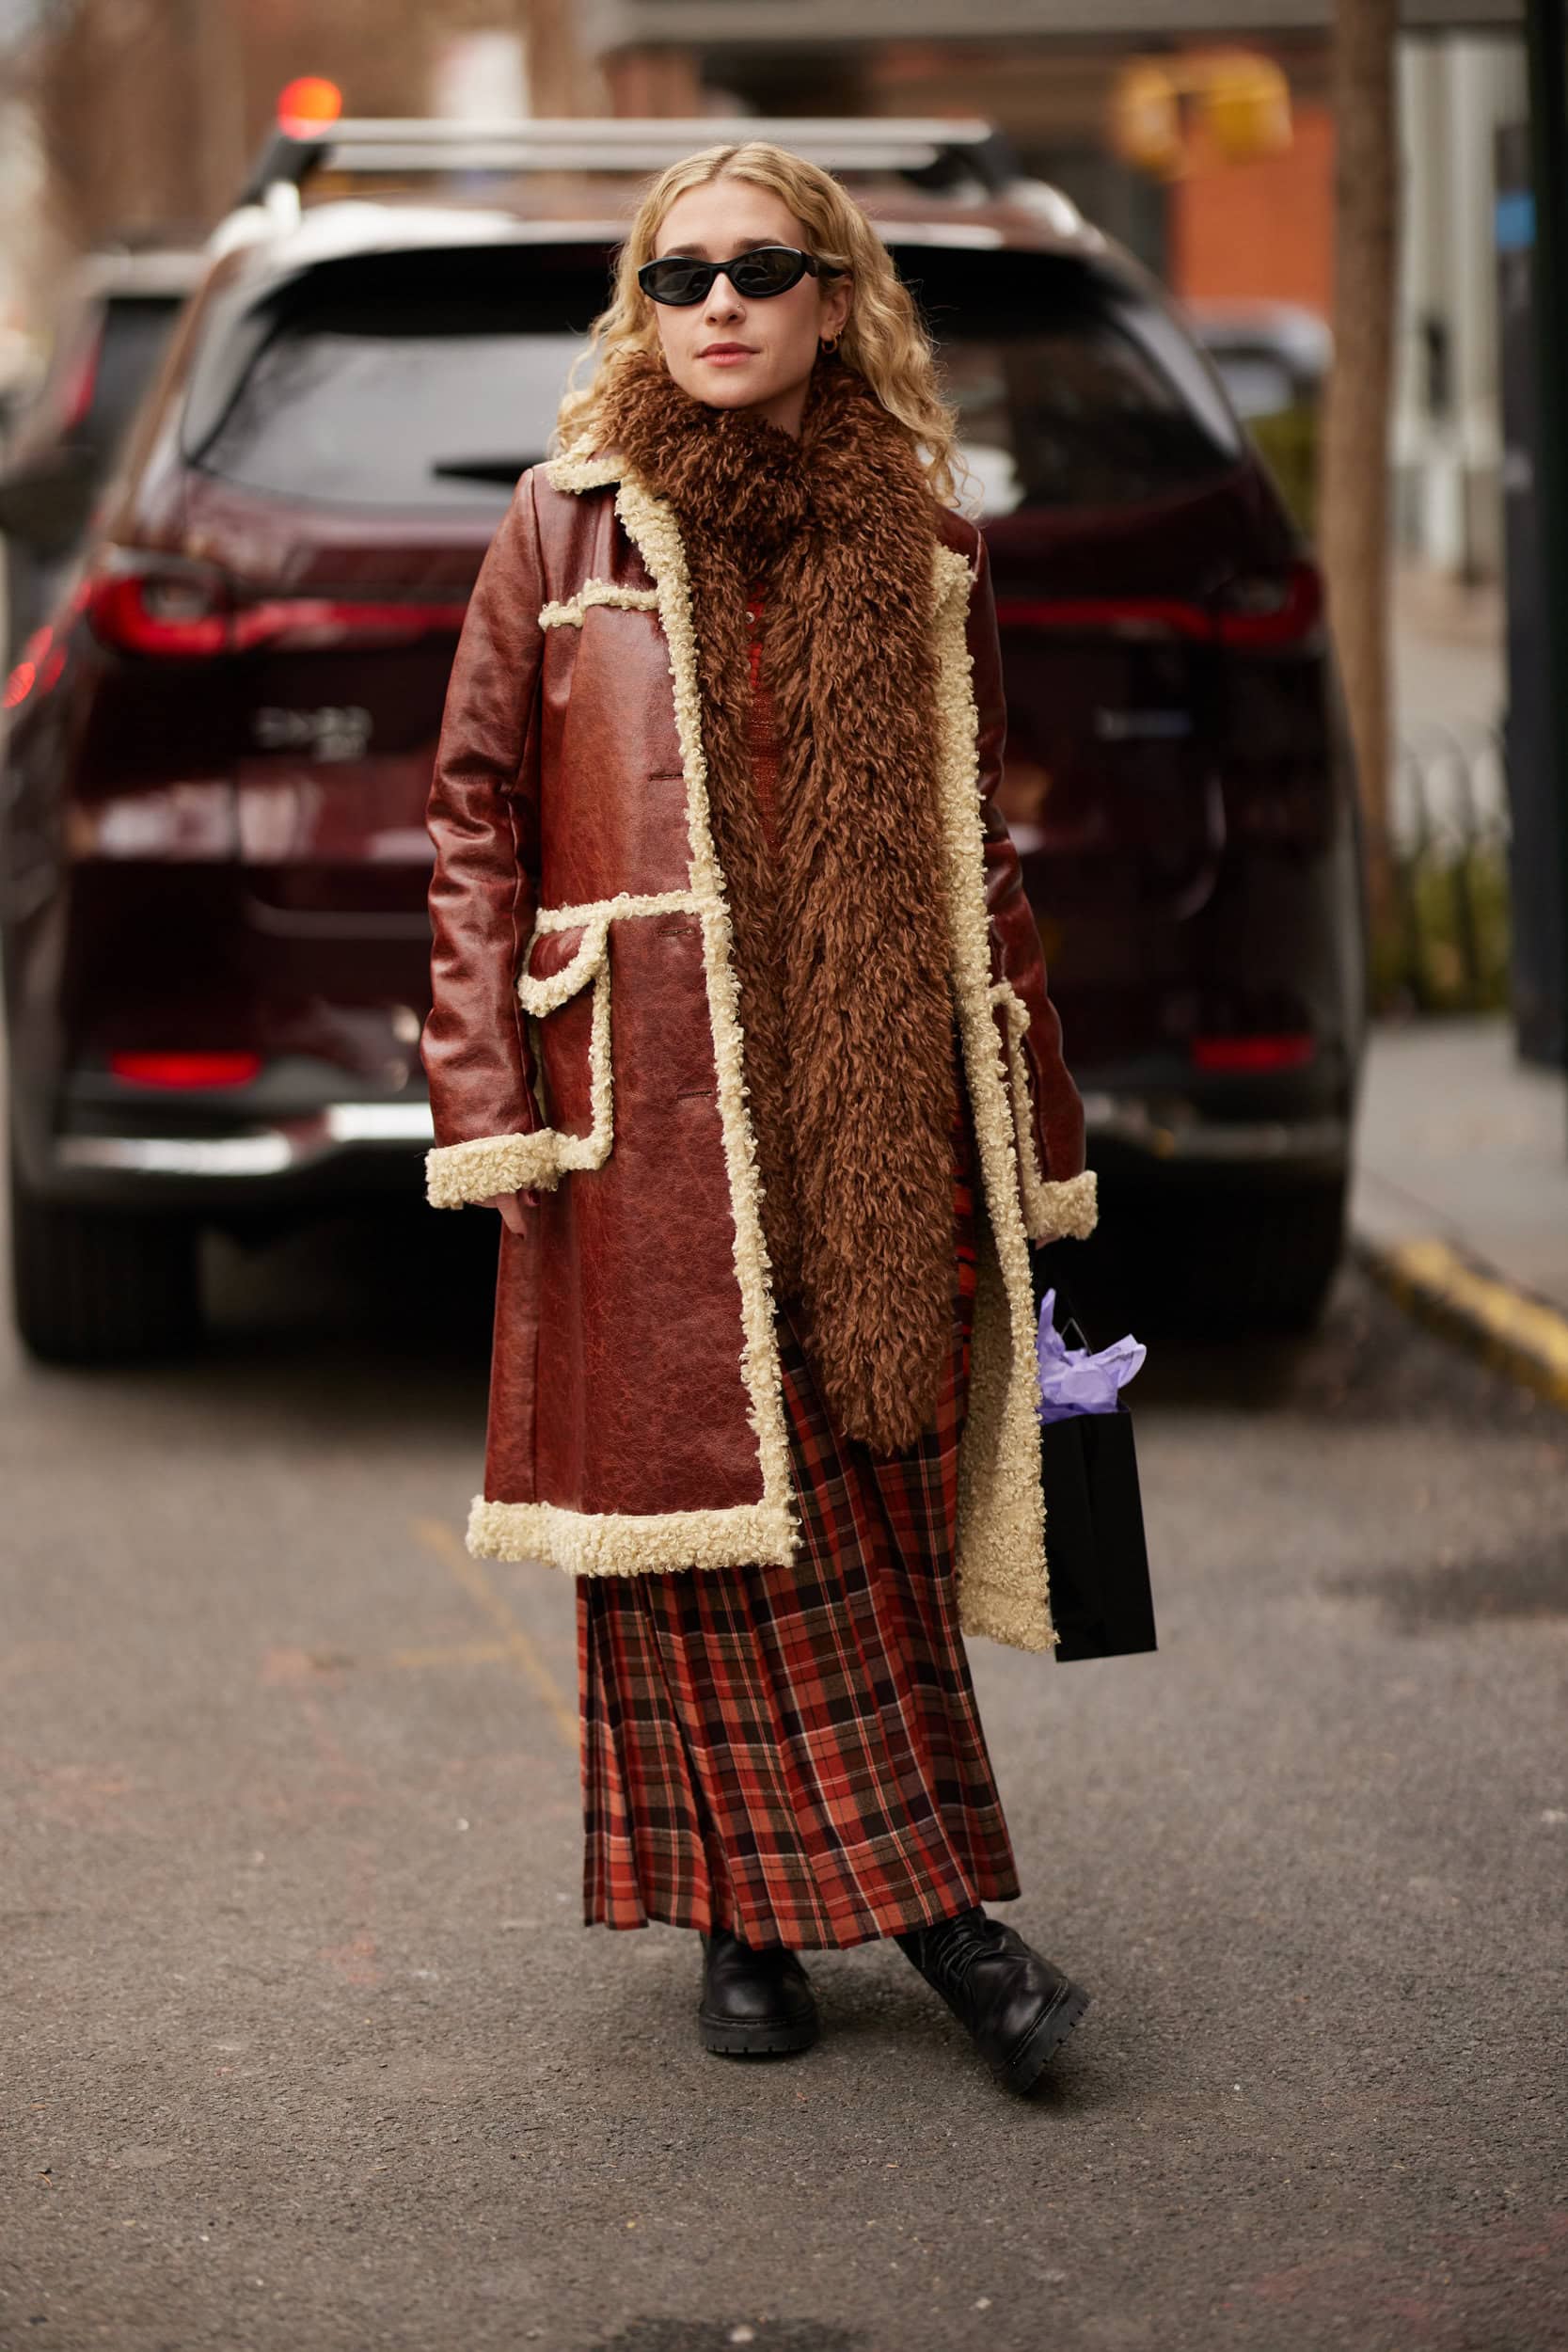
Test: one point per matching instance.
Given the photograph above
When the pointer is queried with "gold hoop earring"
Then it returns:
(827, 346)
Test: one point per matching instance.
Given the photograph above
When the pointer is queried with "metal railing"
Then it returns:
(1447, 949)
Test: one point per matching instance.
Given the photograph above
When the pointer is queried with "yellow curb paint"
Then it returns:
(456, 1654)
(519, 1646)
(1522, 1336)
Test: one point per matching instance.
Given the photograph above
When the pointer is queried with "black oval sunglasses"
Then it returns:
(766, 269)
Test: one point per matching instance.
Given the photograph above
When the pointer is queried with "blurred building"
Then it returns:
(1454, 95)
(1225, 235)
(148, 111)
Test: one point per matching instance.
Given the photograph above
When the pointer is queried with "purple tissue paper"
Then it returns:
(1072, 1380)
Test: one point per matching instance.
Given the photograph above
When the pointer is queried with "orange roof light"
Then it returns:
(308, 105)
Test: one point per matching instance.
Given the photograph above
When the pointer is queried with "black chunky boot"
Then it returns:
(757, 2001)
(1016, 2005)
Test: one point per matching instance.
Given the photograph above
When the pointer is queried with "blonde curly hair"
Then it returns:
(884, 336)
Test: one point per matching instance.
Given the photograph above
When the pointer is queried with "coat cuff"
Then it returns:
(1053, 1210)
(457, 1174)
(1067, 1208)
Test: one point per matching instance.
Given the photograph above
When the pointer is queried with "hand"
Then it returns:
(511, 1205)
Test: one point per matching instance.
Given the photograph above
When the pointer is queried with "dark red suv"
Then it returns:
(215, 863)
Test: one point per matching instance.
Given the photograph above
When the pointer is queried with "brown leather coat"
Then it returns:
(584, 1039)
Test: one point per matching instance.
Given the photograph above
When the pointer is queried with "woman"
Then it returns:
(740, 1021)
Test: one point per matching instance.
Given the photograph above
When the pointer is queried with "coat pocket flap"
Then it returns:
(559, 963)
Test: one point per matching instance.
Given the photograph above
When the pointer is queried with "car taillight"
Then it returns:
(317, 622)
(1269, 609)
(186, 1070)
(29, 671)
(1261, 611)
(1120, 616)
(156, 604)
(1269, 1050)
(171, 605)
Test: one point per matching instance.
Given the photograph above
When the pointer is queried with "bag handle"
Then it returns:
(1042, 1283)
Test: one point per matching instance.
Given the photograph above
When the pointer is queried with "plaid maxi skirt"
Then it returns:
(795, 1753)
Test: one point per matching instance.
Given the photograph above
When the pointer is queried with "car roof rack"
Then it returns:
(935, 153)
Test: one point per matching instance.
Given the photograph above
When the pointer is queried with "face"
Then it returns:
(769, 346)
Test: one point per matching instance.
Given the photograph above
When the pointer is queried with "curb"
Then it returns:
(1512, 1330)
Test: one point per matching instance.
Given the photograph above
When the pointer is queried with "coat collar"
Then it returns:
(583, 468)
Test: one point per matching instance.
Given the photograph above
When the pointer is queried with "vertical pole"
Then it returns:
(1546, 50)
(1354, 496)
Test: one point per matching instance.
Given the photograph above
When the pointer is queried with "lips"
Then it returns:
(726, 351)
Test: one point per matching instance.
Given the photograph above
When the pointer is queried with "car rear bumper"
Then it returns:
(343, 1146)
(335, 1150)
(1136, 1133)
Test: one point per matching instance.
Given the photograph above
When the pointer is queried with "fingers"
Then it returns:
(511, 1206)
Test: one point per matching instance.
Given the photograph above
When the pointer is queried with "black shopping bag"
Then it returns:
(1101, 1603)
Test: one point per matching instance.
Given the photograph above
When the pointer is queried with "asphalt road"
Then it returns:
(304, 2044)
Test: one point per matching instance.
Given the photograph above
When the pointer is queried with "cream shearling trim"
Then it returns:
(460, 1174)
(1003, 1584)
(1052, 1209)
(620, 1543)
(768, 1531)
(591, 960)
(624, 903)
(1030, 1173)
(548, 995)
(569, 615)
(1070, 1208)
(652, 526)
(577, 468)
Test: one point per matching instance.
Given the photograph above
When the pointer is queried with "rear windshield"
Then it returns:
(433, 380)
(397, 379)
(1072, 389)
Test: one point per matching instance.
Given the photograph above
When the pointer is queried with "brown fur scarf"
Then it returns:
(840, 945)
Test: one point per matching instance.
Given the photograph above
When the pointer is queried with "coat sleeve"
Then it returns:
(483, 819)
(1059, 1194)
